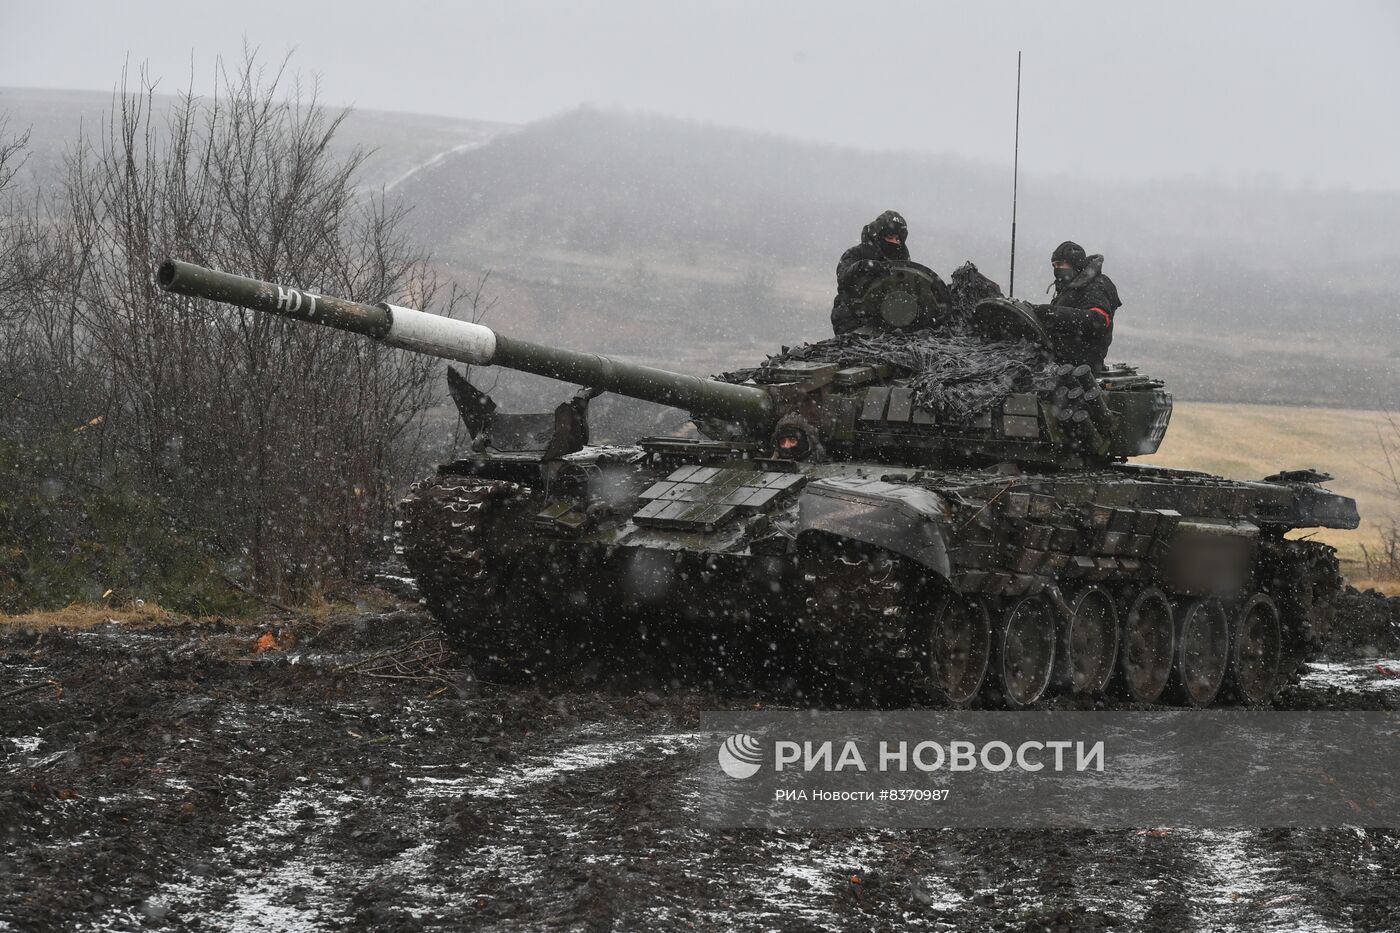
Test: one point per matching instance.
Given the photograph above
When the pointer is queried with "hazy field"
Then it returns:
(1252, 441)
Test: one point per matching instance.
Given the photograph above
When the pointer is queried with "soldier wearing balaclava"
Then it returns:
(1080, 318)
(884, 238)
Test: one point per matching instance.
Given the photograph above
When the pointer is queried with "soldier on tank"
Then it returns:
(1080, 317)
(883, 239)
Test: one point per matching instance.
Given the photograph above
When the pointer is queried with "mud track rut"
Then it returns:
(179, 783)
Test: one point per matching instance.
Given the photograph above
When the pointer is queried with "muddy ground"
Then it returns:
(349, 776)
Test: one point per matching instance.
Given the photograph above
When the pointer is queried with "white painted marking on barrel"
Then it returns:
(288, 299)
(440, 336)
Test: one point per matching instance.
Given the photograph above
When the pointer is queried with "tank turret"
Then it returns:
(794, 410)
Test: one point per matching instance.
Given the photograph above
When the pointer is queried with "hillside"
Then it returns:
(401, 142)
(701, 246)
(683, 241)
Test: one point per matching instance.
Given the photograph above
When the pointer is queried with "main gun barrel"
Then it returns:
(472, 343)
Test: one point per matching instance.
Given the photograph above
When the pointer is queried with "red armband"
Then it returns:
(1105, 315)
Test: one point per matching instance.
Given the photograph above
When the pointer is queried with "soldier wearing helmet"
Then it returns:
(1080, 318)
(883, 239)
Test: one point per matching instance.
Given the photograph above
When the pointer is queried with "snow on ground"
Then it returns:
(511, 781)
(257, 896)
(508, 806)
(1364, 675)
(487, 135)
(26, 744)
(1241, 886)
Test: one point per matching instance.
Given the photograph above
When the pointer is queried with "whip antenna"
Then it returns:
(1015, 179)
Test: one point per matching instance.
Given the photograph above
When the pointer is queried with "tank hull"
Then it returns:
(878, 583)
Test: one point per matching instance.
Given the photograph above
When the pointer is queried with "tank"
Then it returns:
(846, 522)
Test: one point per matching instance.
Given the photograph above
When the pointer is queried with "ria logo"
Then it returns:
(740, 756)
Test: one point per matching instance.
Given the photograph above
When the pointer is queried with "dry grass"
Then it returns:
(323, 607)
(88, 615)
(1252, 441)
(315, 612)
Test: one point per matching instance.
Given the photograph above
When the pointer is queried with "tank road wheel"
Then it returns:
(959, 648)
(1256, 652)
(1023, 656)
(1202, 652)
(1090, 645)
(1149, 635)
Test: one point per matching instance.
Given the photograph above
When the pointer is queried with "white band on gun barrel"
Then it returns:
(439, 336)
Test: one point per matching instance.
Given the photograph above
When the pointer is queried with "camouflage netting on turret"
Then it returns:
(957, 375)
(949, 370)
(967, 286)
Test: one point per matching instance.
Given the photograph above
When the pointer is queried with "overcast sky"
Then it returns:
(1299, 93)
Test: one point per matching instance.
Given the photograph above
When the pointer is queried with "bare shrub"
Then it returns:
(280, 446)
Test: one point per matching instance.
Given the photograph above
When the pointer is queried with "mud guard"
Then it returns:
(553, 435)
(476, 408)
(902, 519)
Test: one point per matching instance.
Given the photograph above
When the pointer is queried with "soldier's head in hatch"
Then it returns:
(891, 234)
(1068, 260)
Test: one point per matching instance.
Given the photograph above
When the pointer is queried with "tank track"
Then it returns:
(1303, 578)
(446, 529)
(860, 614)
